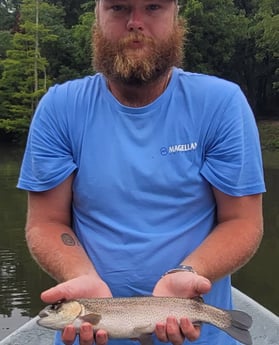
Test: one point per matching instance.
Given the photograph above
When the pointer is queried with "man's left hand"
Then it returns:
(180, 284)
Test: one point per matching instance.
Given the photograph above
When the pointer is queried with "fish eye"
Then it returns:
(57, 305)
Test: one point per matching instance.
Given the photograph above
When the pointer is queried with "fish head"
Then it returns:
(59, 315)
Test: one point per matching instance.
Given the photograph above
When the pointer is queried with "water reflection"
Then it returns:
(21, 281)
(260, 277)
(16, 294)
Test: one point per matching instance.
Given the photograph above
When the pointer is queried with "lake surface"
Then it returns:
(21, 280)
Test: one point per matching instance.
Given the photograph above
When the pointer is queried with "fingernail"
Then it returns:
(171, 319)
(86, 328)
(160, 327)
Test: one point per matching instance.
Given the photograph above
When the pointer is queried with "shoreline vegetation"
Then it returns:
(43, 43)
(269, 137)
(268, 129)
(269, 134)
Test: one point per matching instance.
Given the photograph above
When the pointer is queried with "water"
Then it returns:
(21, 281)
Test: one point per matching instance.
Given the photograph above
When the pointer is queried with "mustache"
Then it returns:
(136, 36)
(154, 55)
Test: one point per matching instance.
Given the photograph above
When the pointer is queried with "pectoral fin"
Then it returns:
(92, 318)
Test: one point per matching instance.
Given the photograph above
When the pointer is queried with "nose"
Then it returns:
(135, 22)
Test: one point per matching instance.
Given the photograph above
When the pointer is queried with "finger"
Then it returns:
(101, 337)
(190, 331)
(161, 332)
(69, 335)
(86, 334)
(173, 331)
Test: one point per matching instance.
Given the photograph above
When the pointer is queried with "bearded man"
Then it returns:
(143, 179)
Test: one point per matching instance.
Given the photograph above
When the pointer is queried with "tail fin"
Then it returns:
(239, 329)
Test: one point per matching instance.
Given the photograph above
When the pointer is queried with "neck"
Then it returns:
(139, 95)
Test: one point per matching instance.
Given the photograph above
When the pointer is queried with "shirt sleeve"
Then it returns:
(48, 158)
(232, 156)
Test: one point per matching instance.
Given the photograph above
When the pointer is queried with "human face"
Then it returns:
(139, 54)
(154, 18)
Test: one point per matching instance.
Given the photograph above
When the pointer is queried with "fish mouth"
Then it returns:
(43, 313)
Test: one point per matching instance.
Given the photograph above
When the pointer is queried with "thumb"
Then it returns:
(67, 290)
(202, 286)
(56, 293)
(84, 286)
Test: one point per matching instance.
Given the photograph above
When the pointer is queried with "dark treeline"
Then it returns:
(45, 42)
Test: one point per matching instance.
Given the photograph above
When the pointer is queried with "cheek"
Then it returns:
(110, 28)
(163, 30)
(113, 31)
(161, 35)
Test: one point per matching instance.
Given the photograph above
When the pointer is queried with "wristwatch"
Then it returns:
(181, 268)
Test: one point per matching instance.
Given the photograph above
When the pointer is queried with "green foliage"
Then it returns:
(82, 42)
(269, 134)
(5, 44)
(70, 55)
(237, 40)
(24, 70)
(17, 82)
(8, 12)
(267, 37)
(213, 32)
(19, 125)
(264, 29)
(43, 42)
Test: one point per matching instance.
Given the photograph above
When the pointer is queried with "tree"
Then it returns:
(5, 44)
(70, 55)
(237, 40)
(73, 10)
(43, 42)
(213, 31)
(24, 79)
(82, 38)
(266, 31)
(8, 13)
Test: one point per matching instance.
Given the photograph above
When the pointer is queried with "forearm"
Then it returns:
(58, 251)
(230, 245)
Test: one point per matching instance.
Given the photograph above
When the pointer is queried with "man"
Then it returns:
(140, 169)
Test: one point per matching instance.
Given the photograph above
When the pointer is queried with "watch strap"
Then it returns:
(180, 268)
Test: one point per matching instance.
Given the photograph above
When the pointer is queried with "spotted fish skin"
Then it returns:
(135, 317)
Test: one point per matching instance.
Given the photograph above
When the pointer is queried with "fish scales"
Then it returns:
(149, 311)
(136, 317)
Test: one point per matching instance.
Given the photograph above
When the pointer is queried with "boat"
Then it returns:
(264, 331)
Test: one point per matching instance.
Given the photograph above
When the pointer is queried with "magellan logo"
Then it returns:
(178, 148)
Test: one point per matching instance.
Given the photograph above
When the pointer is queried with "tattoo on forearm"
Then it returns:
(68, 240)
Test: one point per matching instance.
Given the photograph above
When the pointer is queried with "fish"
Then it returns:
(136, 317)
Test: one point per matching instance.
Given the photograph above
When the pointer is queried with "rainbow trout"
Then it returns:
(136, 317)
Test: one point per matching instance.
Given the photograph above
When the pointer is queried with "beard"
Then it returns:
(138, 66)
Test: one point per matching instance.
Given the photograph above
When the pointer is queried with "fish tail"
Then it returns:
(239, 328)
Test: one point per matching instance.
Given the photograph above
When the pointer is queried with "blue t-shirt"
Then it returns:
(142, 196)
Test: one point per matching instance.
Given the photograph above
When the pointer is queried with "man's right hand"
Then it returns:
(85, 286)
